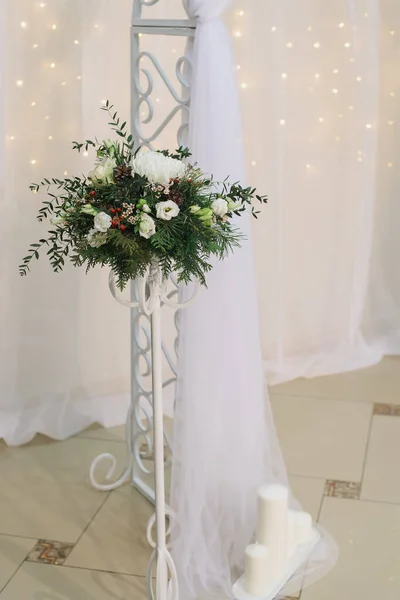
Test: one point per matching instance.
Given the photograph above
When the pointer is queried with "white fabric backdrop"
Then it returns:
(321, 110)
(326, 246)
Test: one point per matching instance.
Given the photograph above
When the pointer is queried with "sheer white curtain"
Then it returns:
(64, 343)
(319, 85)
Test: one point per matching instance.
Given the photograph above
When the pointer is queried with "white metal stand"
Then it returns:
(152, 293)
(139, 425)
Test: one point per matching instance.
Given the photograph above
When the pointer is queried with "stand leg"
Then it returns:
(161, 549)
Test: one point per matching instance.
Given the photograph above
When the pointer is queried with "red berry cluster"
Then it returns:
(116, 220)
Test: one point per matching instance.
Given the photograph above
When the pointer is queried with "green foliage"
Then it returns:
(184, 243)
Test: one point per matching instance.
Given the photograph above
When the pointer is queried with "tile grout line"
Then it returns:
(107, 495)
(16, 570)
(98, 439)
(64, 566)
(366, 451)
(22, 537)
(323, 398)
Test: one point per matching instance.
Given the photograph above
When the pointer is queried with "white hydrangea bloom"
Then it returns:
(157, 168)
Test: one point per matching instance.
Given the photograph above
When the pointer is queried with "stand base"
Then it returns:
(298, 558)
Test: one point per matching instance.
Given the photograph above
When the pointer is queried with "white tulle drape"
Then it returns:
(225, 444)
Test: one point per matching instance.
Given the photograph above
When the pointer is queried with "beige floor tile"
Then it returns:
(97, 432)
(368, 535)
(13, 551)
(116, 539)
(48, 582)
(308, 492)
(45, 488)
(382, 474)
(322, 438)
(380, 383)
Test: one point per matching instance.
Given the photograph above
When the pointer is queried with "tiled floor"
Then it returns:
(62, 540)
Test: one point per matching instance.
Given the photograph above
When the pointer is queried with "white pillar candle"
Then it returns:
(256, 578)
(272, 523)
(291, 539)
(303, 527)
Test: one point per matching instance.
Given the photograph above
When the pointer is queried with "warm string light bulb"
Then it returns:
(282, 122)
(52, 66)
(241, 13)
(54, 26)
(19, 82)
(347, 45)
(33, 103)
(335, 91)
(317, 45)
(24, 24)
(243, 86)
(284, 75)
(341, 25)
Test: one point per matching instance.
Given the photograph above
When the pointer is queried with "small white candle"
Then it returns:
(256, 578)
(292, 543)
(272, 523)
(303, 527)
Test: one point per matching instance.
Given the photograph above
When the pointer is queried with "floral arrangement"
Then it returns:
(138, 207)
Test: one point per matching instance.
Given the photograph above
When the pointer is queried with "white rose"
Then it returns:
(158, 168)
(102, 222)
(96, 238)
(167, 210)
(110, 146)
(103, 171)
(147, 226)
(219, 207)
(146, 208)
